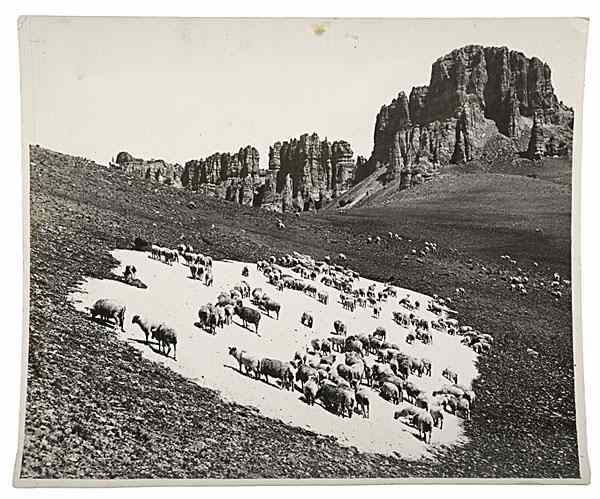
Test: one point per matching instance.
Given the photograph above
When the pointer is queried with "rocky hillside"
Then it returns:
(156, 170)
(487, 104)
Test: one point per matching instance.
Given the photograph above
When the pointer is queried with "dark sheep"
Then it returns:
(306, 319)
(269, 305)
(108, 309)
(166, 337)
(389, 391)
(278, 369)
(339, 327)
(248, 315)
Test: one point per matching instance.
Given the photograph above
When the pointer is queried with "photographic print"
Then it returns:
(301, 251)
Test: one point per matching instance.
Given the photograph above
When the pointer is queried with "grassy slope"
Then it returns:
(489, 212)
(96, 409)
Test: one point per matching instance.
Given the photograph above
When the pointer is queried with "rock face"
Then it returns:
(361, 169)
(307, 172)
(156, 170)
(479, 100)
(234, 176)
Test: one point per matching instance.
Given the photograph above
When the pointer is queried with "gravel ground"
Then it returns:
(97, 409)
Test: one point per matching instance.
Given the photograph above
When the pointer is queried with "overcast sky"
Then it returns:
(184, 88)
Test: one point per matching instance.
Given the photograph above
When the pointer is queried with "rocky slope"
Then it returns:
(482, 103)
(307, 173)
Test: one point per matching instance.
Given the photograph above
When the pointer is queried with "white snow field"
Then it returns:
(175, 298)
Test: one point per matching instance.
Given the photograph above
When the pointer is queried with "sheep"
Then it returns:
(325, 347)
(337, 343)
(458, 406)
(339, 327)
(306, 319)
(355, 346)
(344, 372)
(374, 344)
(450, 375)
(347, 400)
(357, 371)
(406, 411)
(208, 318)
(129, 273)
(221, 316)
(412, 392)
(380, 371)
(269, 305)
(352, 358)
(380, 333)
(166, 337)
(155, 251)
(423, 401)
(361, 395)
(424, 423)
(426, 366)
(310, 390)
(416, 366)
(388, 391)
(248, 315)
(398, 382)
(304, 373)
(257, 294)
(453, 390)
(109, 309)
(323, 374)
(145, 325)
(437, 414)
(278, 369)
(251, 364)
(481, 347)
(329, 394)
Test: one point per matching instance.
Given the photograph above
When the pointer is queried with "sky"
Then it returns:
(180, 89)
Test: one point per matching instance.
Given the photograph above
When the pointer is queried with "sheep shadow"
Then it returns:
(204, 329)
(241, 373)
(152, 345)
(266, 314)
(260, 378)
(247, 328)
(102, 322)
(134, 283)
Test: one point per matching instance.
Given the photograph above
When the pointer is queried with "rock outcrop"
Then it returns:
(479, 100)
(155, 170)
(361, 169)
(235, 176)
(307, 173)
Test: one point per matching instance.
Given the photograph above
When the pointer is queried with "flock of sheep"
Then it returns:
(344, 370)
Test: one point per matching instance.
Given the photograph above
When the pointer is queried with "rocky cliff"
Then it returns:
(156, 170)
(307, 173)
(233, 176)
(480, 104)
